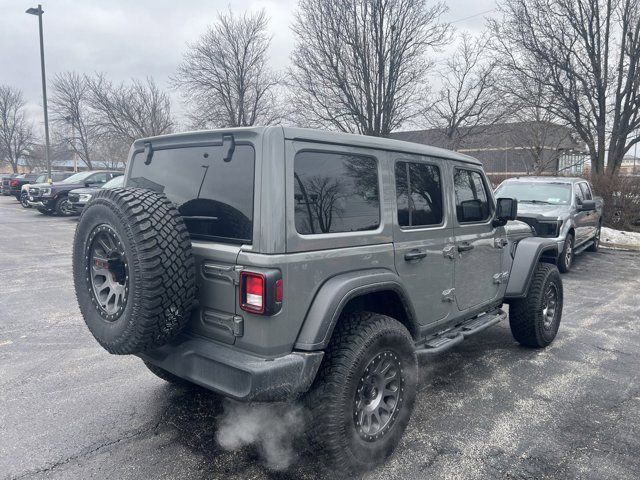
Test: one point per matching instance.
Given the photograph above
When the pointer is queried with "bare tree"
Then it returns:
(16, 133)
(111, 152)
(591, 51)
(468, 101)
(359, 65)
(539, 131)
(128, 112)
(72, 113)
(224, 75)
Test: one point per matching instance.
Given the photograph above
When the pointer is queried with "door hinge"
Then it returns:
(449, 252)
(449, 295)
(234, 324)
(230, 273)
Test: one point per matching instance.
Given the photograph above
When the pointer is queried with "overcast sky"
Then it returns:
(141, 38)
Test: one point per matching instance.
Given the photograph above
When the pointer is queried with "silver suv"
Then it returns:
(282, 263)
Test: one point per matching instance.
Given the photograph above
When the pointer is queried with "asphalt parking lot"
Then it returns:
(486, 409)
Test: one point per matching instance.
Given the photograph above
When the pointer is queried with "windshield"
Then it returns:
(77, 178)
(536, 192)
(115, 182)
(41, 178)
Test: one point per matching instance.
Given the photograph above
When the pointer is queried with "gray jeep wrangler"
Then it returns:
(271, 264)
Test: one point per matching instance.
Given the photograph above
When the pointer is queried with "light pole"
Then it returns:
(38, 11)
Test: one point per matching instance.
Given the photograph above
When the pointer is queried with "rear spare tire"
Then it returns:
(133, 269)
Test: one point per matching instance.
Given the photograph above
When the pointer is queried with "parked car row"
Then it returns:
(561, 208)
(65, 195)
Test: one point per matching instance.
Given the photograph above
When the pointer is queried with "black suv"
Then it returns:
(54, 198)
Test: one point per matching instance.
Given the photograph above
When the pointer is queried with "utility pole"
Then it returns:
(38, 11)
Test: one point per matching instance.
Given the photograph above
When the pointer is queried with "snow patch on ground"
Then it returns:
(620, 238)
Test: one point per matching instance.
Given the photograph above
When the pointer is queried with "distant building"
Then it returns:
(513, 148)
(630, 165)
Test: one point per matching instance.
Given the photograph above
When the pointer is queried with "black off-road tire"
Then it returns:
(169, 377)
(23, 199)
(529, 324)
(160, 279)
(595, 246)
(565, 259)
(63, 207)
(357, 341)
(44, 211)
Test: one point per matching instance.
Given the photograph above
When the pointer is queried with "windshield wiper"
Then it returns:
(536, 201)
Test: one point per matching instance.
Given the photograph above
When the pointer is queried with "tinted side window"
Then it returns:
(99, 178)
(578, 192)
(418, 194)
(586, 191)
(472, 203)
(335, 192)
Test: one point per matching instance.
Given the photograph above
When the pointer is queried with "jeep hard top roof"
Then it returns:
(314, 135)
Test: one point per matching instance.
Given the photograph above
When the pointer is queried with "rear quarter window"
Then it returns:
(335, 192)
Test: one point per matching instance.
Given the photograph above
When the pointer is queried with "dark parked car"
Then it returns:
(79, 197)
(40, 179)
(54, 198)
(5, 184)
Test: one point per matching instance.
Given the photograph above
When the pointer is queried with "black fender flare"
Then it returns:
(336, 292)
(526, 256)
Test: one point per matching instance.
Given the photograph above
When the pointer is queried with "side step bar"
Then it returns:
(583, 247)
(454, 336)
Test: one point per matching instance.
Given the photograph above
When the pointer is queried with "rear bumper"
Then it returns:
(235, 373)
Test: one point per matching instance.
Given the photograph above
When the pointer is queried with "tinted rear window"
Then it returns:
(214, 197)
(335, 192)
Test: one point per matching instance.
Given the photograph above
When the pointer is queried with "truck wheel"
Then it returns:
(566, 257)
(595, 246)
(44, 211)
(63, 207)
(363, 395)
(168, 376)
(535, 319)
(133, 269)
(24, 200)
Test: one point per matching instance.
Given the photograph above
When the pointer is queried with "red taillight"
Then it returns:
(261, 292)
(13, 183)
(252, 292)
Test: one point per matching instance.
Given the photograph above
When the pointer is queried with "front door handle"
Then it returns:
(465, 246)
(414, 255)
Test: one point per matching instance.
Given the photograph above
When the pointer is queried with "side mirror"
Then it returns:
(587, 205)
(506, 209)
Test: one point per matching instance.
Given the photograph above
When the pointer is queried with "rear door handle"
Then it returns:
(465, 247)
(414, 255)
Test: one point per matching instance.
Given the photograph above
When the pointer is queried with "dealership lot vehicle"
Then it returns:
(79, 197)
(54, 198)
(562, 208)
(486, 409)
(322, 293)
(5, 183)
(23, 196)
